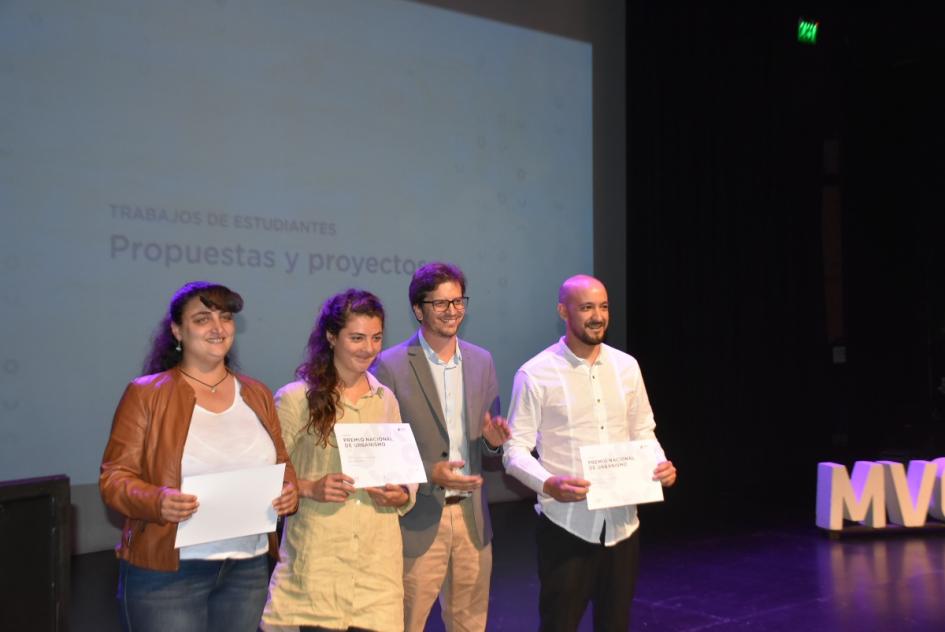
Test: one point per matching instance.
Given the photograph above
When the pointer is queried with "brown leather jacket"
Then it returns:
(143, 456)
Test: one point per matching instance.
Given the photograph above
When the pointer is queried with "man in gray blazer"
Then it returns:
(448, 393)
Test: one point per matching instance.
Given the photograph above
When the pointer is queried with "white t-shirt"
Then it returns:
(220, 442)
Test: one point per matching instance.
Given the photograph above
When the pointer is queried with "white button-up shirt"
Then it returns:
(559, 403)
(448, 378)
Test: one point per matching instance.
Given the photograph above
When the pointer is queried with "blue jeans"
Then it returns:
(204, 595)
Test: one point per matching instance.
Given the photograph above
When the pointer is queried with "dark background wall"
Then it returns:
(785, 203)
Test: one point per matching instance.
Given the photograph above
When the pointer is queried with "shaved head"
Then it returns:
(582, 304)
(575, 285)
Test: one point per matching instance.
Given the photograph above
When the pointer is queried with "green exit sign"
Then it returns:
(807, 31)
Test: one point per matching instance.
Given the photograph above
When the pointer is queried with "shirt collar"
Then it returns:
(375, 389)
(435, 359)
(576, 361)
(374, 384)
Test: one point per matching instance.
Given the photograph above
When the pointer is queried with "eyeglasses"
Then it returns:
(441, 304)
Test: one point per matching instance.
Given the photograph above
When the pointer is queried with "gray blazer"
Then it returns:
(404, 369)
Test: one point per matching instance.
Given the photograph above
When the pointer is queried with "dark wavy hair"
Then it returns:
(429, 276)
(318, 370)
(164, 354)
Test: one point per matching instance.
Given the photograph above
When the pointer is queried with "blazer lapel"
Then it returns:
(421, 368)
(470, 390)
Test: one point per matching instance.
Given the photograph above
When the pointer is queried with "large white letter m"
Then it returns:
(861, 499)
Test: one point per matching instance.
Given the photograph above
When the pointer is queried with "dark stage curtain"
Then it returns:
(729, 305)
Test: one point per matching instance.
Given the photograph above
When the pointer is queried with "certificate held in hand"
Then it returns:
(377, 454)
(232, 504)
(622, 473)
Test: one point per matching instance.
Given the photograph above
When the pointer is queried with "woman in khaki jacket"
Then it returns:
(190, 415)
(341, 562)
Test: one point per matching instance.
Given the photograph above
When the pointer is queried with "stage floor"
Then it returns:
(767, 579)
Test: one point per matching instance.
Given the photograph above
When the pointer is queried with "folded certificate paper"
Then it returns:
(232, 504)
(622, 473)
(377, 454)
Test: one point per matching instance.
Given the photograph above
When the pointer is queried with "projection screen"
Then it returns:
(288, 149)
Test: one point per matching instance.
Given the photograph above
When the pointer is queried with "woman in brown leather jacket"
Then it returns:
(190, 415)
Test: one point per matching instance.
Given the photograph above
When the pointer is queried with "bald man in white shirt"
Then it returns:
(580, 391)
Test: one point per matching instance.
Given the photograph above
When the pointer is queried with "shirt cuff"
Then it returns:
(489, 449)
(412, 491)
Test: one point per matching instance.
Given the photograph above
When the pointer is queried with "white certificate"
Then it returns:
(232, 504)
(622, 473)
(377, 454)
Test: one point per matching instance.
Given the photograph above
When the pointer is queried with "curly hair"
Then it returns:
(318, 370)
(164, 352)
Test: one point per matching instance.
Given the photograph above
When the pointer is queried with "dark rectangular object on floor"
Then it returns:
(34, 553)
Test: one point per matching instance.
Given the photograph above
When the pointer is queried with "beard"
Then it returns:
(591, 336)
(445, 329)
